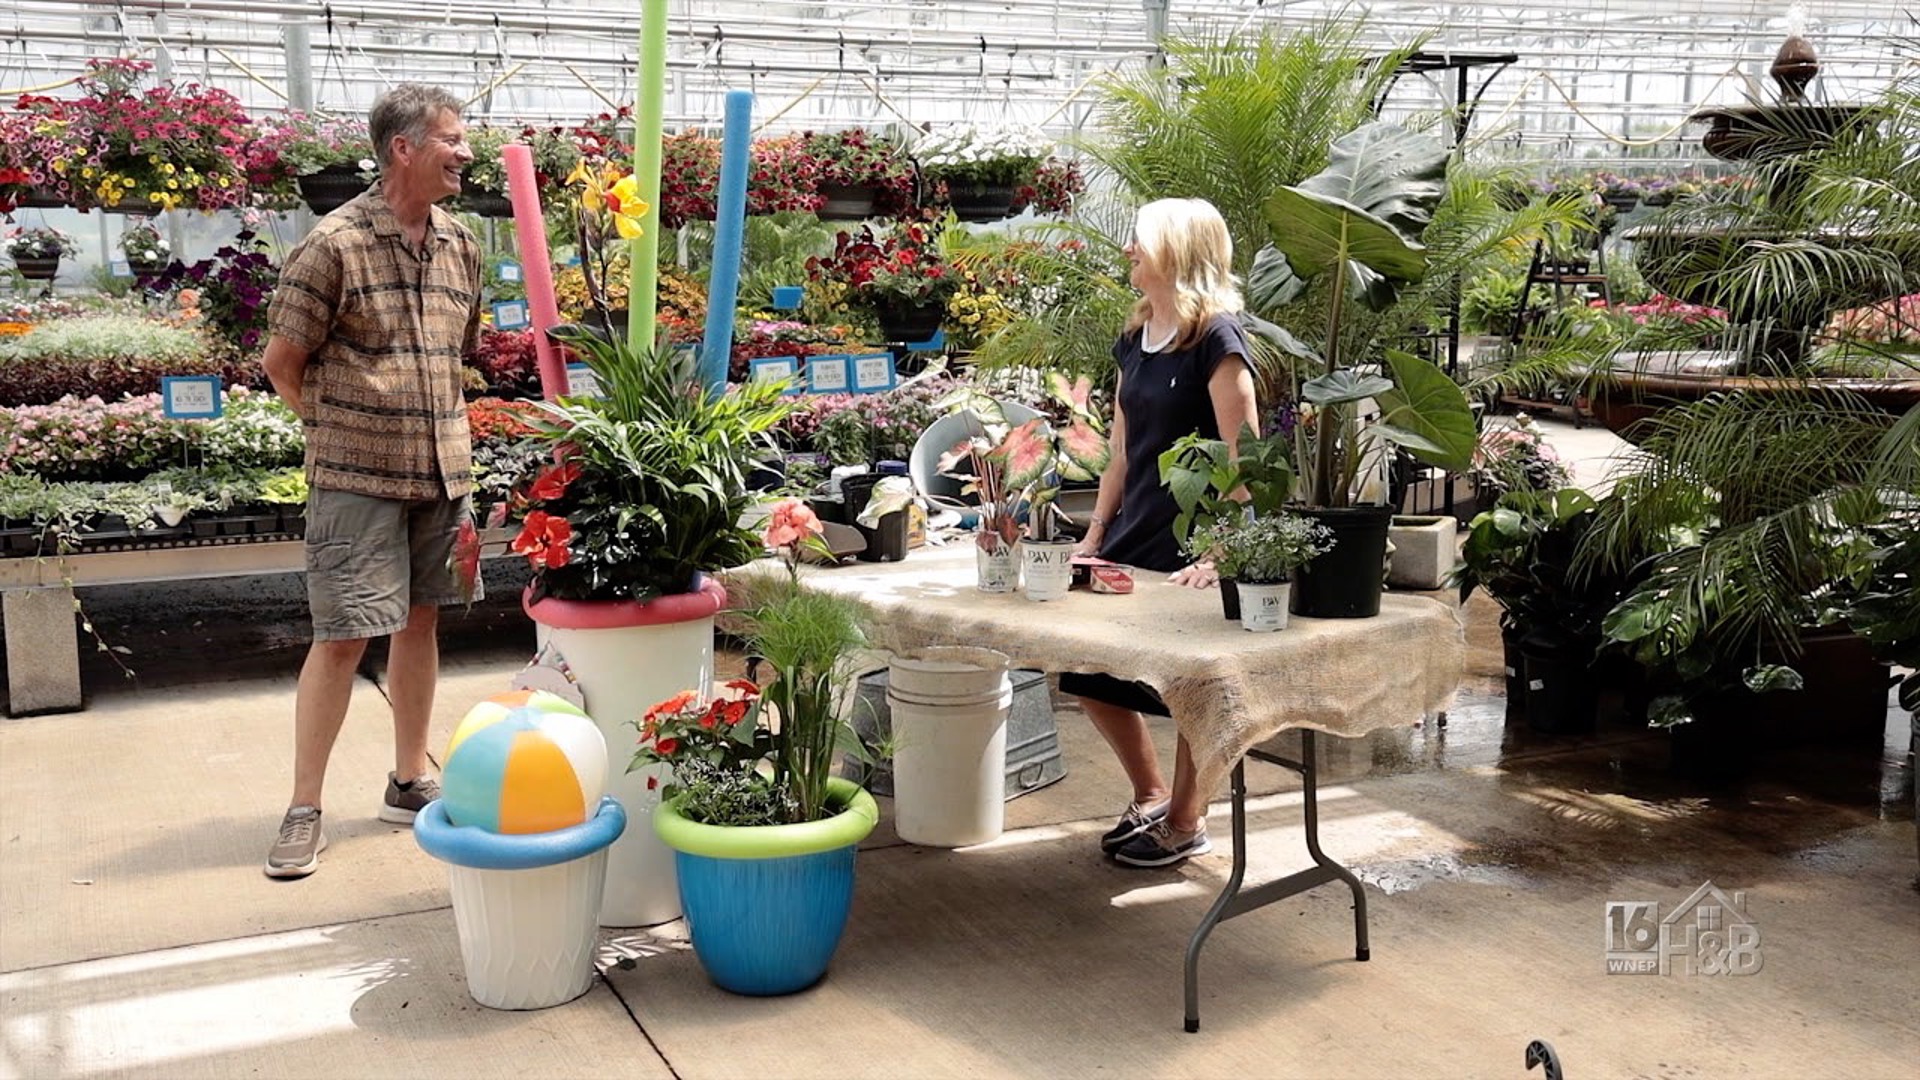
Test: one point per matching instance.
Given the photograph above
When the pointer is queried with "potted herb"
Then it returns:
(1261, 553)
(978, 168)
(36, 252)
(1357, 225)
(763, 834)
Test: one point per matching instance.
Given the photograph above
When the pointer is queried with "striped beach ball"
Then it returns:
(525, 761)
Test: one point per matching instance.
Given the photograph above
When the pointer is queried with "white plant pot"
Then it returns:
(623, 671)
(1047, 567)
(949, 711)
(528, 936)
(998, 570)
(1263, 607)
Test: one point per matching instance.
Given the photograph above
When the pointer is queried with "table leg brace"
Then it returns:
(1233, 901)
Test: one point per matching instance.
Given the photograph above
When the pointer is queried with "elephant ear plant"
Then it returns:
(1357, 227)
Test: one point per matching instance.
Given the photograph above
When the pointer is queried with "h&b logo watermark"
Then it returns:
(1710, 932)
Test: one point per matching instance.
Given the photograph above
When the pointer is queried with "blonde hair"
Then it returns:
(1186, 240)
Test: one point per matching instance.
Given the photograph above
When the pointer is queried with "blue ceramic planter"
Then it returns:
(766, 906)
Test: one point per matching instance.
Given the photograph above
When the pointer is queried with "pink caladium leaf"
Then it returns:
(1026, 454)
(1084, 451)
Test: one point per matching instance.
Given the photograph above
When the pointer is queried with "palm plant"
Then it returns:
(1230, 120)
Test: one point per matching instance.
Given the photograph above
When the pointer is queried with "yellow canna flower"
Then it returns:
(623, 199)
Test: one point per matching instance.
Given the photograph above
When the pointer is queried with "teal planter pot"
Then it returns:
(766, 905)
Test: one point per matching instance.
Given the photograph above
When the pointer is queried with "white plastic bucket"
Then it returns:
(1263, 608)
(528, 936)
(949, 707)
(1047, 566)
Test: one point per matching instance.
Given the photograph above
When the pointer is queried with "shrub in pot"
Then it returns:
(1262, 553)
(1202, 477)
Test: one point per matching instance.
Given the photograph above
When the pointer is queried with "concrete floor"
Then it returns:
(138, 938)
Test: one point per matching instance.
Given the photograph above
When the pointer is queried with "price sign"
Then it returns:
(510, 271)
(510, 315)
(829, 374)
(872, 372)
(582, 382)
(777, 369)
(190, 397)
(120, 268)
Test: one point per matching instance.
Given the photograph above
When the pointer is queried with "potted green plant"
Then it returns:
(1203, 480)
(621, 535)
(36, 252)
(764, 836)
(898, 274)
(1356, 228)
(979, 167)
(858, 173)
(1261, 553)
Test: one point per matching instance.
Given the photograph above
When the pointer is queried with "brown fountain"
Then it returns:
(1697, 256)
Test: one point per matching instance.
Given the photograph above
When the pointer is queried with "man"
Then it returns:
(367, 328)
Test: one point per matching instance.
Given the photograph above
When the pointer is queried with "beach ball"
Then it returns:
(526, 761)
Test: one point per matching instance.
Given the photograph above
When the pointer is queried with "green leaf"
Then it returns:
(1399, 176)
(1766, 678)
(1343, 386)
(1318, 233)
(1426, 402)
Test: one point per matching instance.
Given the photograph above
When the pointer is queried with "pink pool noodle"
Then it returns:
(530, 228)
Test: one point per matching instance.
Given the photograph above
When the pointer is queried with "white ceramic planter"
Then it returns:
(624, 670)
(998, 569)
(949, 717)
(1263, 608)
(1046, 567)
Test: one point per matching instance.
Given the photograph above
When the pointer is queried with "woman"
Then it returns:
(1183, 369)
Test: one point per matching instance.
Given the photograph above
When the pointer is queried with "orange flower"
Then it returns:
(554, 482)
(672, 705)
(543, 540)
(791, 522)
(745, 686)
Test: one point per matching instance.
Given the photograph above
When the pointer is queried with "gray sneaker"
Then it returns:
(297, 852)
(400, 806)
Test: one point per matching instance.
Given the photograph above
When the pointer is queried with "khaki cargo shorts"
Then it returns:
(369, 560)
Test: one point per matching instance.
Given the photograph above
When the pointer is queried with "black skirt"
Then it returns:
(1125, 693)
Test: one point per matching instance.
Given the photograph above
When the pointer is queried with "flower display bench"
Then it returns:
(36, 604)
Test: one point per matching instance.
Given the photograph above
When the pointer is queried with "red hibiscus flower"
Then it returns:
(543, 540)
(554, 482)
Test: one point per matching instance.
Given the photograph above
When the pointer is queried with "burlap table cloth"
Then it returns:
(1228, 690)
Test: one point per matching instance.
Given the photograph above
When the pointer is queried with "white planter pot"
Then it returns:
(623, 671)
(949, 718)
(1047, 567)
(526, 906)
(1263, 608)
(997, 570)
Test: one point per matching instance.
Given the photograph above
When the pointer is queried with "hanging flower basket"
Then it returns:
(485, 203)
(332, 187)
(980, 202)
(899, 322)
(37, 269)
(846, 202)
(40, 198)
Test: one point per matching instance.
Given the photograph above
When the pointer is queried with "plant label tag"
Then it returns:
(582, 382)
(776, 369)
(190, 397)
(120, 268)
(510, 315)
(828, 374)
(510, 271)
(872, 372)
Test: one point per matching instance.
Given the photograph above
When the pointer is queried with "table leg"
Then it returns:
(1233, 901)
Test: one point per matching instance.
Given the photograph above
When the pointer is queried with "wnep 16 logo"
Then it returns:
(1710, 932)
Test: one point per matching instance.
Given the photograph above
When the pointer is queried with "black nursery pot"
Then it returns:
(1345, 582)
(1230, 599)
(1560, 686)
(1516, 668)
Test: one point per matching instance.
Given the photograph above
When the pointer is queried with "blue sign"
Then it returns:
(510, 315)
(830, 374)
(872, 372)
(190, 397)
(933, 344)
(776, 369)
(509, 271)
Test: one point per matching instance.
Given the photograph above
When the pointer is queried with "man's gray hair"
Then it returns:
(407, 110)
